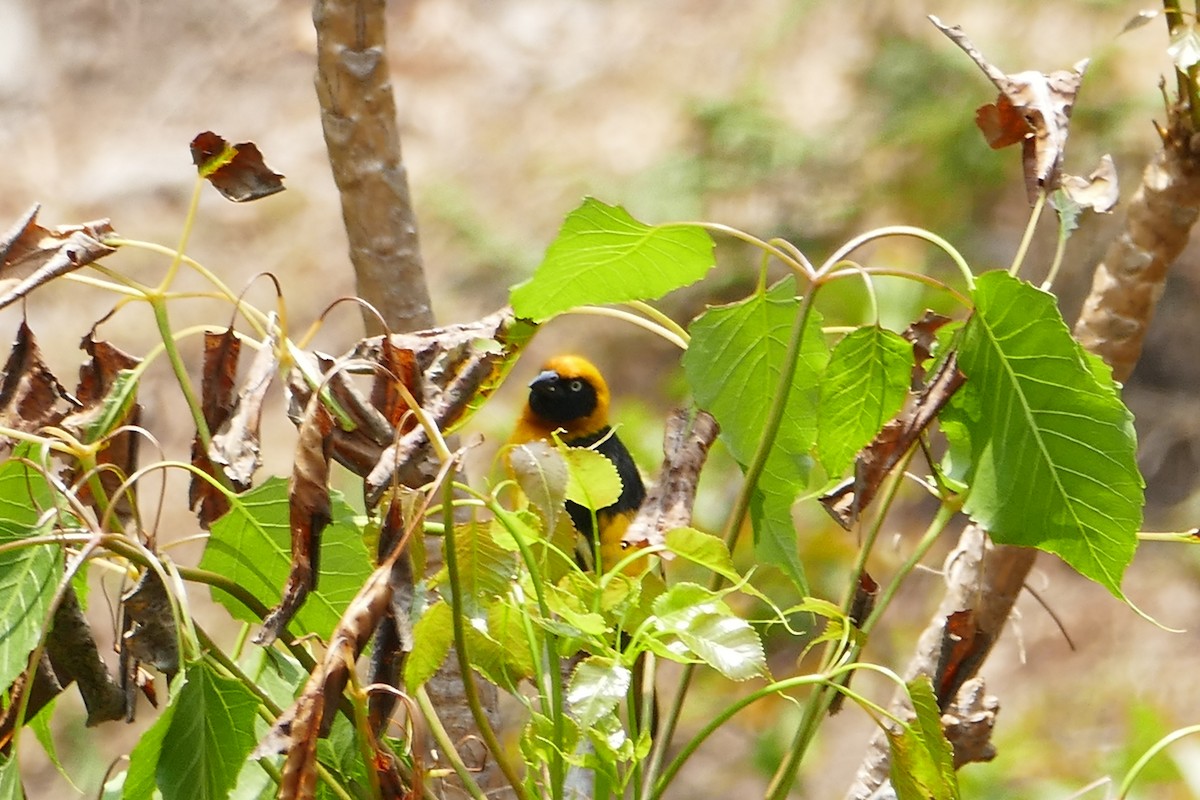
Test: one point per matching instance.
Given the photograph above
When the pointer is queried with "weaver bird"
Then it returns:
(570, 396)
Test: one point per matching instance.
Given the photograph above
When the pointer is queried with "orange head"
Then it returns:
(568, 394)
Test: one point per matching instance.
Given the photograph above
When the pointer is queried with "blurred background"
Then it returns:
(812, 120)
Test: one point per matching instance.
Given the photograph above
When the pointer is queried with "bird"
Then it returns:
(570, 397)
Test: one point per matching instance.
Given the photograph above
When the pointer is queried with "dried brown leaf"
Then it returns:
(886, 450)
(1043, 101)
(964, 646)
(922, 335)
(30, 396)
(1098, 191)
(217, 401)
(152, 636)
(31, 255)
(235, 443)
(309, 511)
(119, 457)
(237, 171)
(396, 365)
(393, 634)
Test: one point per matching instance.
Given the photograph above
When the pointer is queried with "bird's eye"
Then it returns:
(576, 385)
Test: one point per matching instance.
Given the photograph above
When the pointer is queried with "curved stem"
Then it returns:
(1159, 746)
(447, 744)
(661, 318)
(801, 267)
(917, 277)
(1060, 249)
(188, 221)
(633, 319)
(843, 252)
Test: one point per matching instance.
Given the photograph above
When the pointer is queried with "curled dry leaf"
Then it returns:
(30, 396)
(1098, 191)
(309, 511)
(151, 637)
(217, 401)
(296, 731)
(31, 255)
(968, 722)
(964, 646)
(393, 633)
(235, 443)
(922, 335)
(1034, 108)
(668, 505)
(106, 404)
(237, 171)
(878, 458)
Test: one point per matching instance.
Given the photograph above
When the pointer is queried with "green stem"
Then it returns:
(661, 318)
(819, 701)
(1158, 747)
(1027, 237)
(737, 516)
(793, 261)
(188, 221)
(1060, 248)
(470, 691)
(181, 376)
(633, 319)
(843, 252)
(447, 745)
(918, 277)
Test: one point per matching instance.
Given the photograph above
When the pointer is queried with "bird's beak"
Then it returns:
(544, 379)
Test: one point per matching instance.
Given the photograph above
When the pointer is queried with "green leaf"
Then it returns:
(500, 649)
(252, 545)
(433, 635)
(140, 780)
(209, 738)
(43, 731)
(603, 255)
(29, 576)
(704, 549)
(864, 386)
(695, 621)
(593, 481)
(1052, 447)
(597, 686)
(922, 762)
(733, 366)
(485, 568)
(114, 409)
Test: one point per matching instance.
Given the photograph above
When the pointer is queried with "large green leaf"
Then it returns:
(733, 366)
(433, 636)
(198, 745)
(863, 387)
(29, 576)
(1051, 445)
(603, 255)
(252, 545)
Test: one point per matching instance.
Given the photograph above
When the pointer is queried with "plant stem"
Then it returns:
(1027, 237)
(737, 516)
(843, 252)
(819, 701)
(447, 745)
(470, 691)
(633, 319)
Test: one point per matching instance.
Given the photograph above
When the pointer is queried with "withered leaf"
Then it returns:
(865, 595)
(237, 171)
(217, 401)
(31, 255)
(309, 511)
(393, 633)
(30, 396)
(107, 402)
(964, 645)
(296, 731)
(1042, 101)
(1098, 191)
(922, 334)
(878, 458)
(235, 443)
(1002, 124)
(397, 365)
(151, 637)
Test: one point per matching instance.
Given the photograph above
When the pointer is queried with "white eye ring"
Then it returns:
(576, 385)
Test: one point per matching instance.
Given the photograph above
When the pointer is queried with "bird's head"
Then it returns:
(570, 393)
